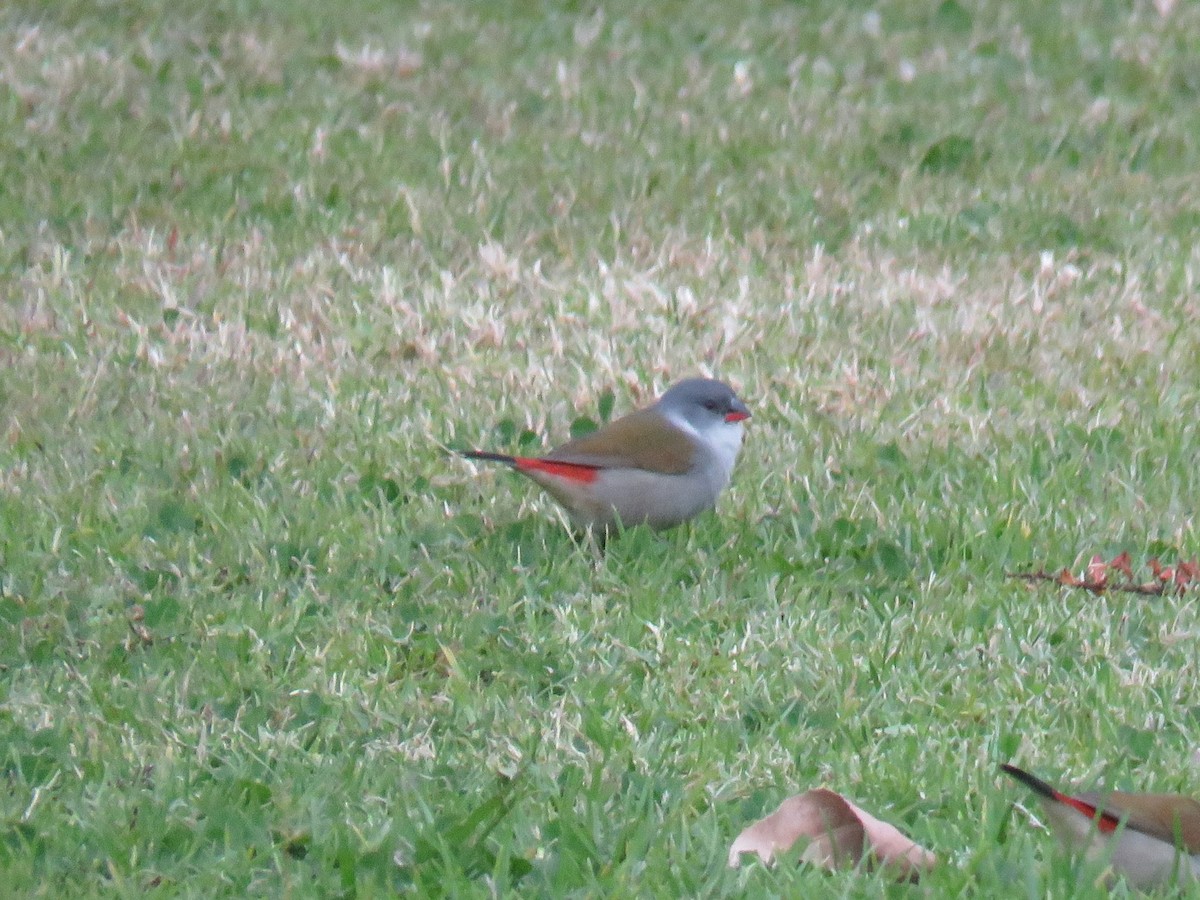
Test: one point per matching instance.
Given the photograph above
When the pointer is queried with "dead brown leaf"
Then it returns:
(840, 835)
(1065, 577)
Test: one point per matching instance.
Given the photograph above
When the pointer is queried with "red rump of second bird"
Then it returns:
(658, 466)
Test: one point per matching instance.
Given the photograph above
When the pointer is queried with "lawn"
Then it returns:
(263, 264)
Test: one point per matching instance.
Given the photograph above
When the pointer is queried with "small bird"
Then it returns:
(658, 466)
(1150, 839)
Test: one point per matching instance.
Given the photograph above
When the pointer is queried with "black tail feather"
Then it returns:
(488, 456)
(1032, 782)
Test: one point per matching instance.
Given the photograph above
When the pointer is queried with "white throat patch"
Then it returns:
(722, 439)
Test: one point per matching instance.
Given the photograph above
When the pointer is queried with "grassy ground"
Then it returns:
(261, 262)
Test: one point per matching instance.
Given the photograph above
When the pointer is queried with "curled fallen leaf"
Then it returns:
(1097, 572)
(839, 835)
(1123, 563)
(1065, 577)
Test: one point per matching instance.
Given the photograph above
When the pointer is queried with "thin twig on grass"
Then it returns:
(1179, 578)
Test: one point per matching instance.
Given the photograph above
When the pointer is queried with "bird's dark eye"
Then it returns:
(710, 405)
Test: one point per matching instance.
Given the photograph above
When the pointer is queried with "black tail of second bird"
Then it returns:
(1032, 782)
(488, 456)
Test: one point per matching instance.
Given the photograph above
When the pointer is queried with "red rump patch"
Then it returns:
(570, 471)
(1107, 822)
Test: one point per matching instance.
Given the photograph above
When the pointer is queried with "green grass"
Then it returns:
(260, 263)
